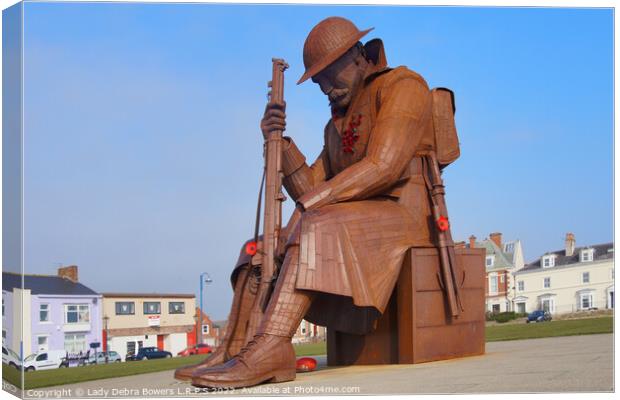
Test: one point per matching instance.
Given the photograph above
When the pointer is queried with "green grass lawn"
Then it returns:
(310, 349)
(495, 333)
(550, 329)
(62, 376)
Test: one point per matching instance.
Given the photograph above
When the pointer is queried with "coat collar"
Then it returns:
(375, 54)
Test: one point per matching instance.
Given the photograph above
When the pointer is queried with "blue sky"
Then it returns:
(143, 152)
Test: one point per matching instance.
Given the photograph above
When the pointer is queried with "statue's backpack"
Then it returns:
(444, 128)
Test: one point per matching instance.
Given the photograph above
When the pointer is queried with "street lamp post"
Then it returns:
(107, 348)
(204, 278)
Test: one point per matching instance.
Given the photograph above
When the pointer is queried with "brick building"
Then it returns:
(502, 260)
(134, 320)
(210, 331)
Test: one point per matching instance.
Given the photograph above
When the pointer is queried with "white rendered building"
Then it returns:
(569, 280)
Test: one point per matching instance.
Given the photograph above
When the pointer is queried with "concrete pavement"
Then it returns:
(562, 364)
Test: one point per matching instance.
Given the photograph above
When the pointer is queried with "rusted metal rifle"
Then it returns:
(274, 197)
(447, 257)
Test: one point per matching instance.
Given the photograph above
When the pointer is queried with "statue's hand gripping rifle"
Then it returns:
(274, 197)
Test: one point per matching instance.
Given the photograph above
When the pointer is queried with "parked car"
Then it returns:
(10, 358)
(148, 353)
(101, 355)
(538, 316)
(44, 360)
(196, 349)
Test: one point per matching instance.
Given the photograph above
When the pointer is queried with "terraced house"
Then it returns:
(569, 280)
(502, 260)
(56, 312)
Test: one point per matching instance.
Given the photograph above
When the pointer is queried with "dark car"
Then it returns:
(148, 353)
(538, 316)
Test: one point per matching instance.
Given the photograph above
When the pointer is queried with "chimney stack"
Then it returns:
(459, 245)
(70, 272)
(472, 241)
(569, 248)
(497, 238)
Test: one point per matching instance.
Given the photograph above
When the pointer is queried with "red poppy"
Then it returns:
(306, 364)
(442, 223)
(350, 136)
(250, 248)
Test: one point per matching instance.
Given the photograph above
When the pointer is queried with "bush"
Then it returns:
(505, 317)
(501, 317)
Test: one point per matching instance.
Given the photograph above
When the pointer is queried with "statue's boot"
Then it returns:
(270, 356)
(234, 338)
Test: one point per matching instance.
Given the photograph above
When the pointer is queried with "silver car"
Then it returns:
(9, 357)
(101, 355)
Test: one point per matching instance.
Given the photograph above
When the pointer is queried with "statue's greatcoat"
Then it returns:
(364, 208)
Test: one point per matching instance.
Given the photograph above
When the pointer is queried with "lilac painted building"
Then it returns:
(55, 312)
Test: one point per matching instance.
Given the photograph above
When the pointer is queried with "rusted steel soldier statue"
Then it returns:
(360, 206)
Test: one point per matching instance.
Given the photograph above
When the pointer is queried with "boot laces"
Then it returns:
(248, 347)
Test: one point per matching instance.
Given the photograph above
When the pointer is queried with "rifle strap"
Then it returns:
(258, 207)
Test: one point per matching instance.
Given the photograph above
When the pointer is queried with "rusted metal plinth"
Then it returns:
(416, 326)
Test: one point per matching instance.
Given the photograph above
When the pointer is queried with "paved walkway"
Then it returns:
(563, 364)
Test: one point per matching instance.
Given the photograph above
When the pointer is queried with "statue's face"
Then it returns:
(340, 79)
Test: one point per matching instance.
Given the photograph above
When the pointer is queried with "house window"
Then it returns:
(44, 312)
(152, 307)
(42, 343)
(3, 306)
(74, 343)
(205, 329)
(612, 273)
(501, 278)
(495, 308)
(587, 255)
(176, 307)
(125, 308)
(548, 261)
(521, 286)
(586, 301)
(547, 283)
(76, 313)
(131, 347)
(490, 260)
(493, 284)
(509, 248)
(585, 277)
